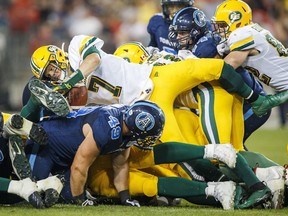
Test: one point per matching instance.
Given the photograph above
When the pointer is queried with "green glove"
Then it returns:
(265, 103)
(76, 77)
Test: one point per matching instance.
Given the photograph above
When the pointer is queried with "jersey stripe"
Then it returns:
(241, 45)
(208, 122)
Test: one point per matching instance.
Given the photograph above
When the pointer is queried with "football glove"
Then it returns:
(223, 49)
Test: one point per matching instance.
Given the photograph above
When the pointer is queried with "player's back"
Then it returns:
(271, 64)
(66, 135)
(117, 81)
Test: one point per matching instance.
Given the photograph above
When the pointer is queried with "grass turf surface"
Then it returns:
(271, 143)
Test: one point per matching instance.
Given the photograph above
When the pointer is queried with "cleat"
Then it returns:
(17, 125)
(239, 193)
(274, 178)
(256, 198)
(50, 99)
(222, 152)
(224, 192)
(30, 193)
(18, 158)
(264, 103)
(52, 187)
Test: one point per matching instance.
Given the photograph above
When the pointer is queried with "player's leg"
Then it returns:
(269, 172)
(18, 158)
(185, 75)
(15, 145)
(173, 152)
(17, 125)
(237, 133)
(26, 188)
(257, 192)
(188, 125)
(198, 192)
(215, 112)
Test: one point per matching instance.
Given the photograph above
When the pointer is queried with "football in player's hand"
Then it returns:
(77, 96)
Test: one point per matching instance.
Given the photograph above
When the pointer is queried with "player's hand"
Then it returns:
(223, 49)
(152, 50)
(130, 202)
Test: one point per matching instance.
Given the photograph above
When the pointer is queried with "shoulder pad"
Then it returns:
(241, 39)
(206, 47)
(155, 21)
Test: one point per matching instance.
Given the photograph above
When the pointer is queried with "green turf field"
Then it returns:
(271, 143)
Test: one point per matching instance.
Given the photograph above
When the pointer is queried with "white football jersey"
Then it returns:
(115, 80)
(271, 64)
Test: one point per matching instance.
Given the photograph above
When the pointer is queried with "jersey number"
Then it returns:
(95, 80)
(116, 129)
(264, 78)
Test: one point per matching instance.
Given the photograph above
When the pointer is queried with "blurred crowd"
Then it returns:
(27, 24)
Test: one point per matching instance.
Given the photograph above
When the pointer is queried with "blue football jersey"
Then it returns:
(158, 29)
(65, 134)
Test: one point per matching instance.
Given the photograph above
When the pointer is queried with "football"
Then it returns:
(77, 96)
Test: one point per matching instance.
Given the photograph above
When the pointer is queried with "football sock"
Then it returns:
(174, 152)
(180, 187)
(207, 169)
(31, 110)
(243, 171)
(255, 159)
(4, 184)
(233, 82)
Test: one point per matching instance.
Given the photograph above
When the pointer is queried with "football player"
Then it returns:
(159, 24)
(189, 31)
(251, 46)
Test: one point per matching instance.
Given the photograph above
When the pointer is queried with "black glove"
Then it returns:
(126, 200)
(130, 202)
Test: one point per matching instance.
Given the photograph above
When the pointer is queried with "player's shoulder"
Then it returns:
(157, 17)
(206, 46)
(156, 20)
(113, 109)
(242, 38)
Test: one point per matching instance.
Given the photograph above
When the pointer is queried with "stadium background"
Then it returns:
(27, 24)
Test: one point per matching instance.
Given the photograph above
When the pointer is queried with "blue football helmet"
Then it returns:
(145, 120)
(189, 20)
(170, 7)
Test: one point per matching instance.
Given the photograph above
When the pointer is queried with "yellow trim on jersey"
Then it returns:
(85, 42)
(242, 44)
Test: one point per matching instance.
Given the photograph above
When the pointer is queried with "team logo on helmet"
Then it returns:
(52, 49)
(144, 121)
(235, 16)
(200, 18)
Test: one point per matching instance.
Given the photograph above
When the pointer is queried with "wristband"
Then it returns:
(76, 77)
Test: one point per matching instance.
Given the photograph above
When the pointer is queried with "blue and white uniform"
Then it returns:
(158, 29)
(65, 136)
